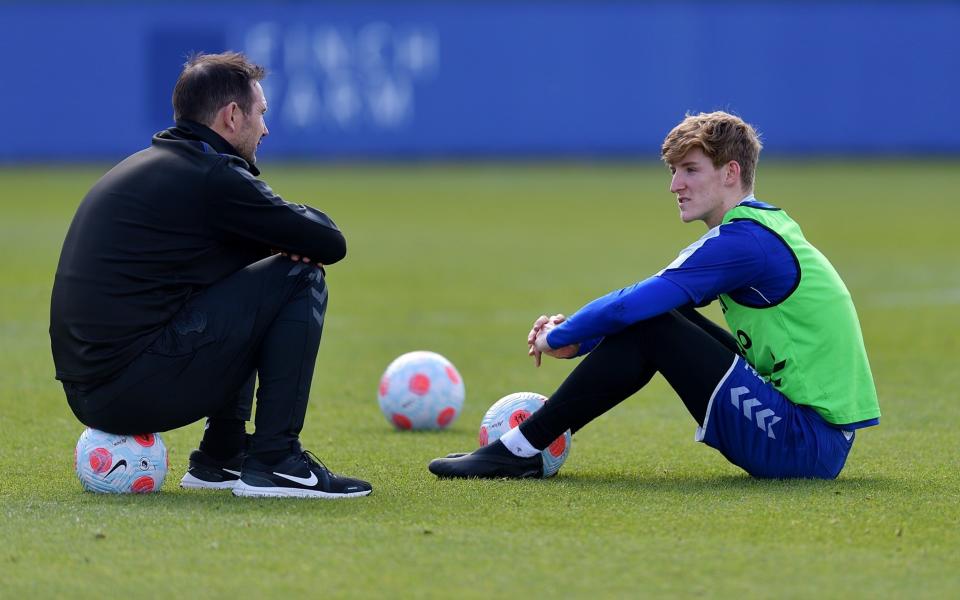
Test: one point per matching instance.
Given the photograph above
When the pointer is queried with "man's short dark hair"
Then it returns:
(209, 82)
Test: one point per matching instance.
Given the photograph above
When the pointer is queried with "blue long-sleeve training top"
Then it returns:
(742, 258)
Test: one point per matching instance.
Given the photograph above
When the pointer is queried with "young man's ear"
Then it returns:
(731, 174)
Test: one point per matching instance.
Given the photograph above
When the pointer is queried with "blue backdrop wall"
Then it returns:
(491, 78)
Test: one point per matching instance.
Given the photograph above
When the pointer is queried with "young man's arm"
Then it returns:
(617, 310)
(726, 258)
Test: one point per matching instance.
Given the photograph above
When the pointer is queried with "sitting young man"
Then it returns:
(782, 398)
(167, 303)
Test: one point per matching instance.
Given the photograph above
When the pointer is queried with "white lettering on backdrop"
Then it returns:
(343, 78)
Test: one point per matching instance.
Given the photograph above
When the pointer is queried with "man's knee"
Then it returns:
(318, 293)
(300, 270)
(298, 275)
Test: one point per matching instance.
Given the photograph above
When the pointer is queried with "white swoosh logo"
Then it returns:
(307, 481)
(232, 472)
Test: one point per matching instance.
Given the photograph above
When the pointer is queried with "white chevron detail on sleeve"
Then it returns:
(748, 405)
(768, 427)
(761, 416)
(735, 394)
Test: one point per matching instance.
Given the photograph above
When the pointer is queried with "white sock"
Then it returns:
(517, 444)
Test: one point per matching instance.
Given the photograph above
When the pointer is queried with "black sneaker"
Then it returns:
(489, 462)
(207, 473)
(299, 476)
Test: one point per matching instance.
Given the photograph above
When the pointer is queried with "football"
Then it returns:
(121, 464)
(421, 390)
(508, 412)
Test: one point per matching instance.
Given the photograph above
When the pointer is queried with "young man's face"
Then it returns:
(699, 187)
(252, 126)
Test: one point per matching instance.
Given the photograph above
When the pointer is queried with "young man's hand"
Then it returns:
(537, 339)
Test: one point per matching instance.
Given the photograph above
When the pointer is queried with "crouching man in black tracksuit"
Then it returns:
(167, 303)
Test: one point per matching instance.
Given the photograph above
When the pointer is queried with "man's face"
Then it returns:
(699, 188)
(252, 128)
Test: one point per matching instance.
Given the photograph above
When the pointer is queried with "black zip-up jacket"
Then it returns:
(166, 223)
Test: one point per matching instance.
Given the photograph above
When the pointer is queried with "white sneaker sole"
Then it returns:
(189, 482)
(250, 491)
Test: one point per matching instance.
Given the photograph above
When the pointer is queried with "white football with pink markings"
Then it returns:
(421, 390)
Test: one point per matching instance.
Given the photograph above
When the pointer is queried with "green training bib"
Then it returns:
(809, 345)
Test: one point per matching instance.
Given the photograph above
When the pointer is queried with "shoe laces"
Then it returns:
(310, 457)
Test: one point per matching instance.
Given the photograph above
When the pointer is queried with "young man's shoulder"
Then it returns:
(757, 204)
(739, 232)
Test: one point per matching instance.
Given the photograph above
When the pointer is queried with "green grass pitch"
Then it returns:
(460, 259)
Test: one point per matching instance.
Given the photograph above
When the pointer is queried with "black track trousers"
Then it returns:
(265, 320)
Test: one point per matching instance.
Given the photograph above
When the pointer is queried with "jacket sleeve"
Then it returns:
(244, 207)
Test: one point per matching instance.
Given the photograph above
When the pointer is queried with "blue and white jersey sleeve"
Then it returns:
(726, 258)
(615, 311)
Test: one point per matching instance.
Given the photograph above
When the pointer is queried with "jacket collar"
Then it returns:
(186, 128)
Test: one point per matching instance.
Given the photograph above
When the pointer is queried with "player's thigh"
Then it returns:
(160, 392)
(760, 430)
(691, 359)
(196, 365)
(203, 356)
(245, 304)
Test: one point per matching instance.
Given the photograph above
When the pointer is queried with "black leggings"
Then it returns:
(691, 352)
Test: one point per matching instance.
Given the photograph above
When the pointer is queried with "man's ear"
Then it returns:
(227, 117)
(731, 173)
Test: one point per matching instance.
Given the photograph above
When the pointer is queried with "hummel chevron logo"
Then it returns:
(748, 405)
(762, 416)
(307, 481)
(735, 394)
